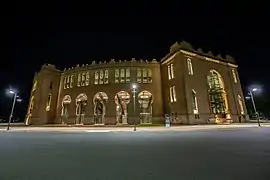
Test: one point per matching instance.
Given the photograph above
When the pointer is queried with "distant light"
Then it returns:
(19, 100)
(11, 92)
(255, 89)
(134, 86)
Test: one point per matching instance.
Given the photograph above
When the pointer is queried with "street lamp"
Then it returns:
(253, 103)
(134, 90)
(15, 98)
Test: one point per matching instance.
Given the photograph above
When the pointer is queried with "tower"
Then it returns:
(43, 99)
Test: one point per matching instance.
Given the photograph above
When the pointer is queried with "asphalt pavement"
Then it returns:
(204, 154)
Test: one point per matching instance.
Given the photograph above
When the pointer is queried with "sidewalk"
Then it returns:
(131, 128)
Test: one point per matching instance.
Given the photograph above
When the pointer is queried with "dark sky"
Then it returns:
(70, 34)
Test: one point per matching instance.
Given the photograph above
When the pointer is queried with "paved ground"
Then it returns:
(202, 154)
(129, 128)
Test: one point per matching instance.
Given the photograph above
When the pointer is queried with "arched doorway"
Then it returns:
(145, 99)
(217, 94)
(121, 100)
(81, 102)
(64, 112)
(100, 100)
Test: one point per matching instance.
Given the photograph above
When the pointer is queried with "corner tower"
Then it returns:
(43, 99)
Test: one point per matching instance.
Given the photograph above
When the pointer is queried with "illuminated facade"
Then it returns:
(191, 86)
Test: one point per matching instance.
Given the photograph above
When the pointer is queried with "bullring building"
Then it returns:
(191, 86)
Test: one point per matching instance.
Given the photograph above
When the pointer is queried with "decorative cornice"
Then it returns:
(165, 61)
(232, 65)
(188, 53)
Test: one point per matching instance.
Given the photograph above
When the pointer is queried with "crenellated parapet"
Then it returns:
(94, 64)
(49, 67)
(189, 50)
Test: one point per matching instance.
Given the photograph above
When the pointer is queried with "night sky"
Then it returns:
(70, 34)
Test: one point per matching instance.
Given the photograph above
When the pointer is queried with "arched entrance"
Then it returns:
(64, 112)
(217, 94)
(81, 102)
(100, 100)
(121, 100)
(145, 99)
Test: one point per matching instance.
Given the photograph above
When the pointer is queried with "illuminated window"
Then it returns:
(116, 75)
(190, 68)
(234, 76)
(139, 75)
(34, 85)
(48, 105)
(96, 77)
(68, 81)
(149, 74)
(173, 94)
(106, 79)
(240, 102)
(87, 78)
(128, 75)
(101, 76)
(83, 79)
(71, 81)
(217, 94)
(169, 72)
(79, 80)
(172, 71)
(194, 103)
(144, 75)
(122, 75)
(65, 82)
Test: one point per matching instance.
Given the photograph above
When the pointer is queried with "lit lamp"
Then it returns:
(251, 91)
(134, 90)
(15, 98)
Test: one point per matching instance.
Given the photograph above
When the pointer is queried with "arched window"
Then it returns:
(101, 76)
(65, 82)
(68, 81)
(106, 79)
(127, 75)
(190, 68)
(144, 75)
(71, 81)
(83, 79)
(87, 77)
(79, 80)
(139, 75)
(116, 75)
(149, 75)
(48, 104)
(217, 94)
(122, 75)
(194, 102)
(234, 76)
(96, 77)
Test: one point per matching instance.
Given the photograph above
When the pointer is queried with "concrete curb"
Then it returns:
(130, 129)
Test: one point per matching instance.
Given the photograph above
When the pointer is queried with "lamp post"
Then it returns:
(134, 90)
(13, 105)
(253, 103)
